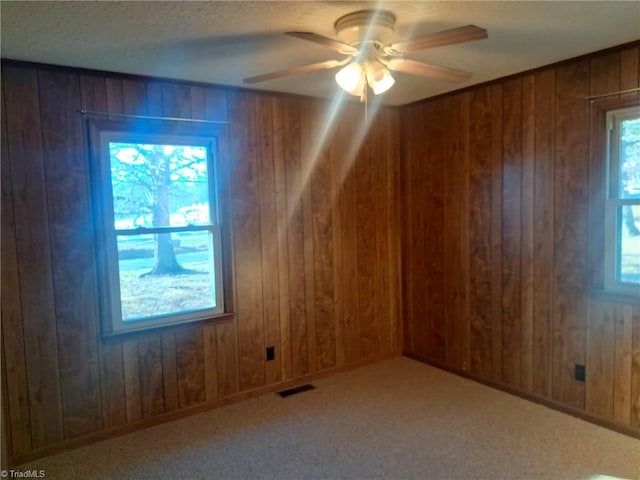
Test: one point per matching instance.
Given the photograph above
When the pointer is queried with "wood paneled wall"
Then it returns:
(490, 192)
(501, 214)
(314, 209)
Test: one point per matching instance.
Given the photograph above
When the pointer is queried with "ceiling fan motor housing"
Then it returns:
(366, 26)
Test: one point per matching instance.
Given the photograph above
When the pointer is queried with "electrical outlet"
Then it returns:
(580, 372)
(271, 353)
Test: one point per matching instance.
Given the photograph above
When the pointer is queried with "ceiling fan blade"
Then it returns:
(326, 42)
(446, 37)
(428, 70)
(296, 70)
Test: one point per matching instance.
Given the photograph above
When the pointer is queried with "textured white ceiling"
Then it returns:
(224, 42)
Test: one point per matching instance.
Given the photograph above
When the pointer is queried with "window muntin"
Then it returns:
(161, 239)
(622, 222)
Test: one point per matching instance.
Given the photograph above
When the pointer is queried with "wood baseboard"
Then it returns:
(188, 411)
(547, 402)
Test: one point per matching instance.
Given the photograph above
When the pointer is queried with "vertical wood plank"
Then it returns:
(151, 375)
(247, 241)
(169, 371)
(115, 103)
(282, 230)
(571, 195)
(17, 422)
(511, 232)
(480, 231)
(433, 242)
(269, 234)
(365, 244)
(176, 99)
(227, 350)
(599, 359)
(197, 96)
(383, 178)
(309, 156)
(463, 280)
(215, 105)
(527, 231)
(456, 229)
(321, 200)
(295, 238)
(349, 245)
(421, 338)
(190, 367)
(33, 239)
(132, 380)
(452, 226)
(337, 149)
(496, 230)
(629, 69)
(210, 362)
(622, 364)
(394, 234)
(134, 100)
(406, 212)
(543, 233)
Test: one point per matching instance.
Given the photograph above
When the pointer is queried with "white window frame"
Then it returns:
(613, 203)
(101, 133)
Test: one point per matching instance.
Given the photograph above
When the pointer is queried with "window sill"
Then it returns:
(125, 334)
(613, 296)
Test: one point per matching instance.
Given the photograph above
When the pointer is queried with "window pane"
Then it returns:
(629, 244)
(146, 293)
(629, 186)
(159, 185)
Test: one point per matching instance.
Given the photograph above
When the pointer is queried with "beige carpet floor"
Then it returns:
(398, 419)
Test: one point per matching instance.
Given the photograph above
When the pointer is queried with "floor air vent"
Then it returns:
(293, 391)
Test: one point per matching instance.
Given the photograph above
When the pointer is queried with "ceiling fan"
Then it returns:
(364, 37)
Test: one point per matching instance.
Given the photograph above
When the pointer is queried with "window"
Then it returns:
(159, 236)
(622, 210)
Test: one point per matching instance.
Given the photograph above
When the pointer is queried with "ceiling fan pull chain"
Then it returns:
(366, 113)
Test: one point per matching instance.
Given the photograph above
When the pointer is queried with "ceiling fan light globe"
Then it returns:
(383, 85)
(378, 77)
(350, 78)
(375, 71)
